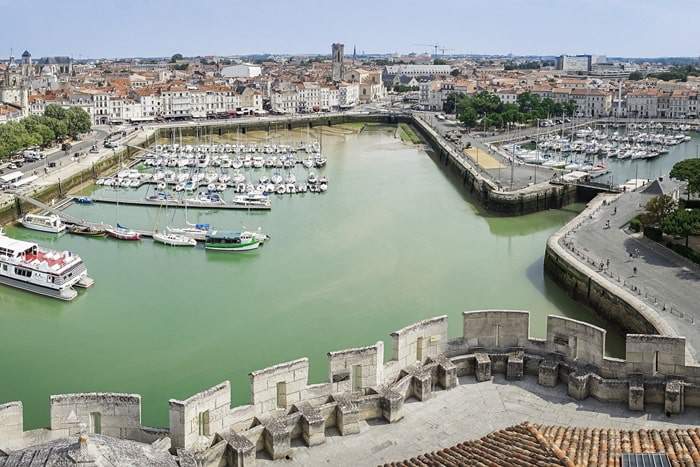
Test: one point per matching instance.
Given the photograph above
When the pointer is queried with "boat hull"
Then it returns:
(232, 248)
(66, 294)
(43, 228)
(122, 236)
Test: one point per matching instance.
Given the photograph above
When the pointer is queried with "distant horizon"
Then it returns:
(161, 28)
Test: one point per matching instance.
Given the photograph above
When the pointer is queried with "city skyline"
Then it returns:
(119, 29)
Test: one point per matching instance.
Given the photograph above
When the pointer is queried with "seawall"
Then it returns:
(585, 283)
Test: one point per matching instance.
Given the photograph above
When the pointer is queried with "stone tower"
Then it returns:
(337, 53)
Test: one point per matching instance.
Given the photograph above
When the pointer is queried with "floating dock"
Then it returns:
(178, 204)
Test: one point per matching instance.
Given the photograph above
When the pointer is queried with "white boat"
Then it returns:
(197, 232)
(51, 223)
(173, 239)
(26, 266)
(253, 200)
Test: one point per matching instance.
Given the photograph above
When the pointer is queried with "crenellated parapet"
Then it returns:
(362, 386)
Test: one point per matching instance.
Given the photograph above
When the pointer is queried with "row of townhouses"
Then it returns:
(167, 102)
(590, 102)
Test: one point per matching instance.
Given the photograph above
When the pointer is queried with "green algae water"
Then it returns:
(393, 241)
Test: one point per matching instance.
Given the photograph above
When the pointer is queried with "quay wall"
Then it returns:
(542, 197)
(583, 282)
(54, 193)
(285, 406)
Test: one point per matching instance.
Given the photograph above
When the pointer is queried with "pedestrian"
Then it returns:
(607, 263)
(634, 270)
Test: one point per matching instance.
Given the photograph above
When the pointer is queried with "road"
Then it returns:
(96, 136)
(656, 275)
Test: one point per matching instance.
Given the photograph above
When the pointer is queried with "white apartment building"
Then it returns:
(312, 97)
(592, 102)
(243, 70)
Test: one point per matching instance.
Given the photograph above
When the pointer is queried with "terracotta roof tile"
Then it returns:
(539, 445)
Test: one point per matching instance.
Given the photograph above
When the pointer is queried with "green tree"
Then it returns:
(688, 170)
(439, 61)
(78, 121)
(683, 222)
(55, 111)
(468, 116)
(175, 58)
(636, 76)
(658, 209)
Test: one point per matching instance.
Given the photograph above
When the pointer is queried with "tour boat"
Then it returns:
(26, 266)
(122, 233)
(253, 200)
(173, 239)
(221, 240)
(51, 223)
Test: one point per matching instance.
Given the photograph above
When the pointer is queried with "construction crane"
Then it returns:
(436, 47)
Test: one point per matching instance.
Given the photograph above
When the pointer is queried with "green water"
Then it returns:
(393, 241)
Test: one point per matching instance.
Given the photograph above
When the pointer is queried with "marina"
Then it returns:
(607, 148)
(336, 266)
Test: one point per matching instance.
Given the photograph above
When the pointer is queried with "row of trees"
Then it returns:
(56, 124)
(486, 109)
(679, 73)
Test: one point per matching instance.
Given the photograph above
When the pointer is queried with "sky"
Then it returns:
(147, 28)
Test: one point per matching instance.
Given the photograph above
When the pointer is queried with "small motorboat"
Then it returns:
(197, 231)
(86, 230)
(173, 239)
(82, 200)
(122, 233)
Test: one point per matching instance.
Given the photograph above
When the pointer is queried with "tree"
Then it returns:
(658, 209)
(684, 222)
(635, 76)
(688, 170)
(455, 72)
(468, 116)
(439, 61)
(78, 121)
(55, 111)
(175, 58)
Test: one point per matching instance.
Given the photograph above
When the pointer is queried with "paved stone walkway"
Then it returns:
(471, 411)
(665, 281)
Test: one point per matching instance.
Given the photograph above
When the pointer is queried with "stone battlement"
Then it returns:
(361, 386)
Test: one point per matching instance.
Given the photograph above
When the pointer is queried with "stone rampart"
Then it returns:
(360, 386)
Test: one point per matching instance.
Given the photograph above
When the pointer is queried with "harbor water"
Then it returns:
(393, 241)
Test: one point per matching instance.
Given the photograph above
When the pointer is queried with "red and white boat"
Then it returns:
(25, 265)
(122, 233)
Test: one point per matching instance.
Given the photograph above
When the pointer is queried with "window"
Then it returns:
(281, 395)
(203, 422)
(356, 377)
(96, 423)
(419, 349)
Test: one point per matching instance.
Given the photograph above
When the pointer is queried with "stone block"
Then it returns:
(483, 367)
(514, 367)
(446, 372)
(277, 438)
(636, 393)
(548, 373)
(674, 397)
(240, 452)
(578, 386)
(346, 416)
(313, 425)
(422, 385)
(391, 403)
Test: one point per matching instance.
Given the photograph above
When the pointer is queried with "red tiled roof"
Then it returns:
(542, 445)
